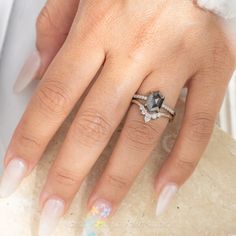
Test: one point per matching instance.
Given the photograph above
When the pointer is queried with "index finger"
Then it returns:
(63, 84)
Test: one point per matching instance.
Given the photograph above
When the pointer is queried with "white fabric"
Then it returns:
(223, 8)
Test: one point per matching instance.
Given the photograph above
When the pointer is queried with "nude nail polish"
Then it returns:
(166, 195)
(95, 222)
(52, 211)
(12, 177)
(28, 72)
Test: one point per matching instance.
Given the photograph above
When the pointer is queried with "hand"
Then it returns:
(140, 47)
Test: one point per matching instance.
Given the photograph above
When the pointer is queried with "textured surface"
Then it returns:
(206, 205)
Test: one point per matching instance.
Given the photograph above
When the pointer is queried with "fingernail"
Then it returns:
(96, 219)
(52, 211)
(165, 197)
(28, 72)
(12, 177)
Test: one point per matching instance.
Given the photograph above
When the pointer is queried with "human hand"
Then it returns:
(141, 47)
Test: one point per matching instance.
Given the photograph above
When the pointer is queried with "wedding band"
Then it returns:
(154, 106)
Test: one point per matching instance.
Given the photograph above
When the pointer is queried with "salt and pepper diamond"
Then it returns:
(154, 101)
(153, 107)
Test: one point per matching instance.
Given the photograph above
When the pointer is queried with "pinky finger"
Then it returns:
(53, 26)
(202, 105)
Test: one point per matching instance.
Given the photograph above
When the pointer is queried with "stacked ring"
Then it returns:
(154, 106)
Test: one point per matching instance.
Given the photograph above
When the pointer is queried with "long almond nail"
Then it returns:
(52, 211)
(28, 72)
(165, 197)
(96, 219)
(12, 177)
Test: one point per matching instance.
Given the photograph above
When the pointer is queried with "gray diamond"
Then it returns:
(155, 101)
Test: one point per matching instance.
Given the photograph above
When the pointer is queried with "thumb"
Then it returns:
(53, 25)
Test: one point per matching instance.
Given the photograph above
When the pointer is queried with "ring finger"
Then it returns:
(135, 144)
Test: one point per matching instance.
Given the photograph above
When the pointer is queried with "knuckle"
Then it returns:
(189, 36)
(27, 143)
(182, 46)
(95, 17)
(91, 127)
(26, 140)
(221, 59)
(46, 23)
(141, 136)
(200, 127)
(65, 177)
(97, 13)
(185, 164)
(53, 97)
(117, 181)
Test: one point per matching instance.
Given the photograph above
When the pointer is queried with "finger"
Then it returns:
(100, 113)
(63, 84)
(53, 26)
(136, 142)
(202, 107)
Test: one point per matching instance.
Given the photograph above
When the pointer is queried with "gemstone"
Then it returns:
(155, 101)
(155, 116)
(147, 117)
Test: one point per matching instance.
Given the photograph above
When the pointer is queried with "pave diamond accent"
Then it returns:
(154, 101)
(148, 116)
(154, 106)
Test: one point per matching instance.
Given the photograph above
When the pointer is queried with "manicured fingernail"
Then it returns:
(12, 177)
(52, 211)
(96, 218)
(28, 72)
(165, 197)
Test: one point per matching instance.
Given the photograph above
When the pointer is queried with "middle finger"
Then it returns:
(99, 115)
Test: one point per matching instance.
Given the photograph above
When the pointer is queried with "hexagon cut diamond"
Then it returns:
(154, 101)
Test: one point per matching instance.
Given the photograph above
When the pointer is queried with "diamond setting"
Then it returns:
(154, 107)
(154, 101)
(149, 116)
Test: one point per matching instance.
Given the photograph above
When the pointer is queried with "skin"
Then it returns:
(136, 47)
